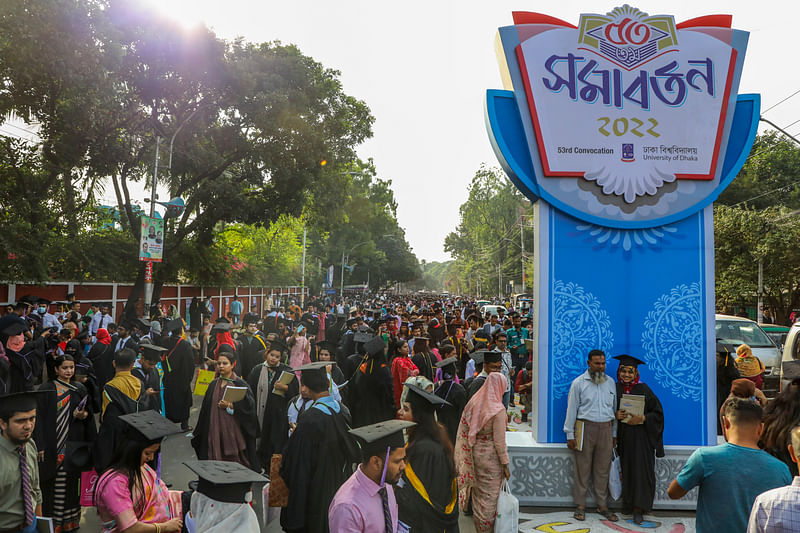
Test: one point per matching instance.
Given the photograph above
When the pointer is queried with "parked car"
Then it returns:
(493, 309)
(736, 330)
(791, 349)
(776, 333)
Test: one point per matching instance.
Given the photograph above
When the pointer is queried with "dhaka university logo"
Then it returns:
(628, 37)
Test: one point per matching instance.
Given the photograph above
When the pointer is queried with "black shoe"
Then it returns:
(638, 519)
(167, 484)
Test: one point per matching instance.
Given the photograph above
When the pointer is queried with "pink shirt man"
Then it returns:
(357, 506)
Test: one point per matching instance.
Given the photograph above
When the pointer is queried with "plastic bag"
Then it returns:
(268, 513)
(507, 520)
(88, 480)
(615, 478)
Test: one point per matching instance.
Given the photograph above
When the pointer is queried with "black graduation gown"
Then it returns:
(178, 367)
(427, 465)
(46, 425)
(317, 460)
(638, 446)
(347, 347)
(112, 429)
(250, 353)
(450, 415)
(244, 411)
(102, 357)
(474, 385)
(370, 393)
(274, 424)
(726, 373)
(150, 380)
(425, 362)
(20, 372)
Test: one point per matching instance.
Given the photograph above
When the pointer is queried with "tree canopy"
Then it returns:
(255, 137)
(488, 235)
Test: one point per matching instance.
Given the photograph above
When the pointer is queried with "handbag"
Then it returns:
(278, 491)
(615, 478)
(507, 520)
(88, 480)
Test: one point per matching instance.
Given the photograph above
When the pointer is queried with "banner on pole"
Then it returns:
(151, 240)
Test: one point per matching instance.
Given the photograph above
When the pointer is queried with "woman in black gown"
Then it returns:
(639, 440)
(428, 497)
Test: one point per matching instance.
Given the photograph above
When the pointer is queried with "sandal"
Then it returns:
(579, 514)
(608, 515)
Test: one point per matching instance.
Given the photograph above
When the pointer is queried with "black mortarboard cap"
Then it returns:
(224, 481)
(375, 439)
(318, 365)
(18, 402)
(13, 325)
(490, 356)
(82, 368)
(725, 348)
(429, 397)
(176, 324)
(351, 321)
(150, 347)
(43, 301)
(444, 362)
(222, 326)
(375, 346)
(477, 356)
(149, 426)
(629, 360)
(140, 323)
(790, 370)
(249, 319)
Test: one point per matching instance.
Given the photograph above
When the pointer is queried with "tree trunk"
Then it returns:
(131, 310)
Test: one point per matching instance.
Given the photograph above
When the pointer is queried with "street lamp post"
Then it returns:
(349, 251)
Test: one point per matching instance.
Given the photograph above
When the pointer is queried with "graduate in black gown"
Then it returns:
(145, 369)
(726, 374)
(453, 393)
(324, 352)
(227, 431)
(370, 392)
(252, 345)
(639, 440)
(272, 400)
(423, 357)
(428, 497)
(178, 366)
(318, 457)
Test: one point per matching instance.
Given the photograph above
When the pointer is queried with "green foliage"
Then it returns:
(770, 177)
(488, 235)
(104, 80)
(743, 236)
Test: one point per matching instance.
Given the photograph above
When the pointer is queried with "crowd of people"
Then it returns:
(384, 414)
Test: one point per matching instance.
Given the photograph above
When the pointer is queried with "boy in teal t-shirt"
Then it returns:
(730, 476)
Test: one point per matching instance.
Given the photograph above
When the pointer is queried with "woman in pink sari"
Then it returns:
(481, 456)
(129, 495)
(300, 348)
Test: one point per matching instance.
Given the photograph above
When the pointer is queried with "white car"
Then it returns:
(493, 309)
(736, 330)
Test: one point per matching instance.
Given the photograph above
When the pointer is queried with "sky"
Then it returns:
(423, 68)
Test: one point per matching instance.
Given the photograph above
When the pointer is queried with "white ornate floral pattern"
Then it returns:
(673, 341)
(626, 238)
(579, 324)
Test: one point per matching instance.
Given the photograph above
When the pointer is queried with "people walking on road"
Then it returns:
(481, 455)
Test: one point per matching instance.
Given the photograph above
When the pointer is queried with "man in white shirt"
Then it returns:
(778, 510)
(592, 402)
(48, 320)
(101, 319)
